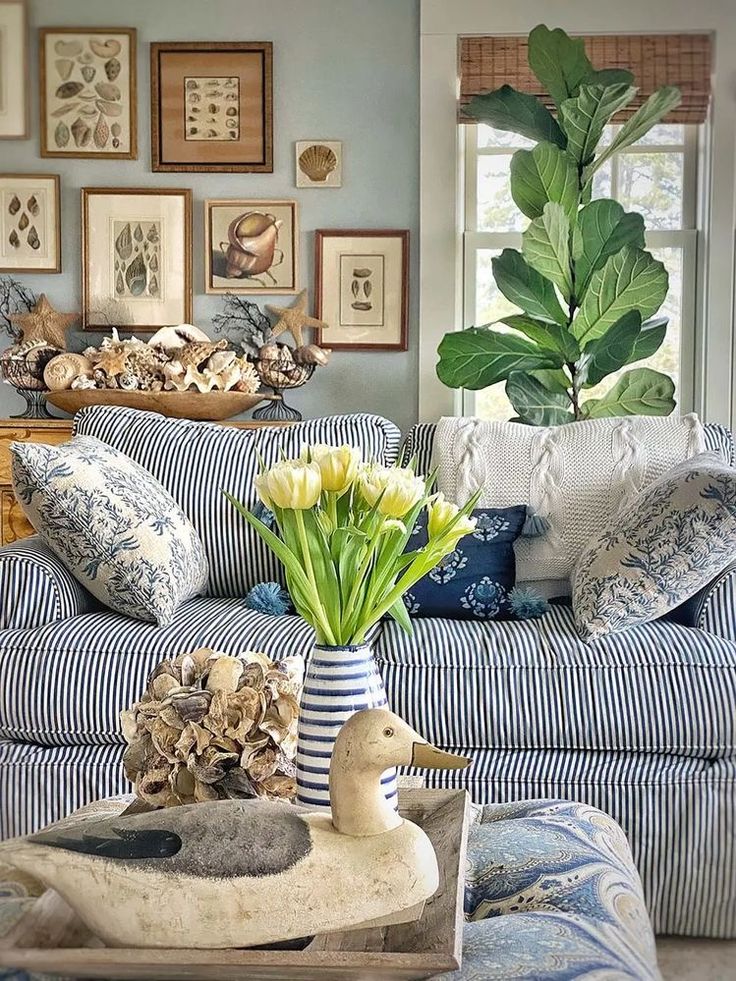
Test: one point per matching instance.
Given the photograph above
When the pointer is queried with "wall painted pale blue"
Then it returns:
(343, 69)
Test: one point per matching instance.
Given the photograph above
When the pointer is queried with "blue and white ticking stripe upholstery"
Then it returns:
(36, 588)
(713, 609)
(196, 461)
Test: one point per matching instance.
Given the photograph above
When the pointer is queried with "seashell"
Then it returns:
(109, 108)
(116, 129)
(83, 382)
(174, 377)
(193, 354)
(269, 352)
(362, 272)
(317, 162)
(136, 276)
(64, 66)
(23, 222)
(63, 110)
(85, 58)
(13, 239)
(311, 354)
(68, 90)
(88, 72)
(68, 48)
(203, 381)
(61, 371)
(153, 286)
(138, 233)
(153, 264)
(81, 132)
(221, 360)
(108, 91)
(112, 69)
(32, 205)
(32, 238)
(177, 337)
(105, 49)
(15, 205)
(88, 111)
(124, 243)
(119, 284)
(101, 133)
(129, 382)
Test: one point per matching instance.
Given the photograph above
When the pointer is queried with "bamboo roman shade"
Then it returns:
(684, 60)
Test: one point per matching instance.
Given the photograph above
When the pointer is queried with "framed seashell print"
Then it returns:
(211, 106)
(14, 74)
(136, 257)
(318, 163)
(88, 92)
(362, 288)
(250, 246)
(30, 221)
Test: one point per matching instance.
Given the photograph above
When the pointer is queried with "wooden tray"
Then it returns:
(212, 406)
(49, 938)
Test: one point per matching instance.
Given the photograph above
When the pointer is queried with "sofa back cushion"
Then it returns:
(197, 461)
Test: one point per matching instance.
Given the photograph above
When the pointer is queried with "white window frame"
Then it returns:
(685, 238)
(441, 235)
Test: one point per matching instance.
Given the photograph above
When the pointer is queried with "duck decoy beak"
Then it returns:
(424, 754)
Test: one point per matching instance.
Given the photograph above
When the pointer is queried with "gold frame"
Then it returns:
(209, 203)
(26, 76)
(57, 221)
(183, 192)
(131, 154)
(160, 47)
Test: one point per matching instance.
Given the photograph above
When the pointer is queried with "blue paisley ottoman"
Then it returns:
(551, 894)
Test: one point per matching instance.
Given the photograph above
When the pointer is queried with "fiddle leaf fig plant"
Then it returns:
(586, 288)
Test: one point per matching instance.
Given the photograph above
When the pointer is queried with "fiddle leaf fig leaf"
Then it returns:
(658, 104)
(516, 112)
(610, 76)
(585, 116)
(546, 247)
(650, 339)
(551, 337)
(528, 289)
(478, 357)
(639, 392)
(544, 174)
(535, 403)
(601, 230)
(612, 351)
(559, 62)
(631, 279)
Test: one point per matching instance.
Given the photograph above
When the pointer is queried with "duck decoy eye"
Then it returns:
(388, 732)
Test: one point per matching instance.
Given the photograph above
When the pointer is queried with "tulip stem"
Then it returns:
(319, 610)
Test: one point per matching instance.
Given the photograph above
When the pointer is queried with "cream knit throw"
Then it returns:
(577, 476)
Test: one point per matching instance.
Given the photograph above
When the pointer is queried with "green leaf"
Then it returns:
(585, 117)
(551, 337)
(650, 339)
(610, 76)
(612, 351)
(640, 392)
(398, 613)
(631, 279)
(546, 247)
(478, 357)
(516, 112)
(535, 403)
(554, 379)
(559, 61)
(656, 106)
(602, 229)
(525, 287)
(544, 174)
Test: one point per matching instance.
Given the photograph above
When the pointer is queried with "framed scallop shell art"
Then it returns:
(319, 163)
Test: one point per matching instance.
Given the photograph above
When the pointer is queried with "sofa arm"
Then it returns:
(713, 609)
(36, 588)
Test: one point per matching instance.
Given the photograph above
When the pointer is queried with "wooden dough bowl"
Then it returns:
(211, 406)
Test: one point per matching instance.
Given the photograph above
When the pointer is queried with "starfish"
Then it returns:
(44, 323)
(294, 319)
(112, 361)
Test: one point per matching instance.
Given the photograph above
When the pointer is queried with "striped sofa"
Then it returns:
(641, 725)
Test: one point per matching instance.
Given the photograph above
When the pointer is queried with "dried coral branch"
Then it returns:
(14, 298)
(243, 323)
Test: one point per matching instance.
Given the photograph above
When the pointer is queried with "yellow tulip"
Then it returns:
(338, 465)
(441, 513)
(294, 484)
(261, 483)
(397, 488)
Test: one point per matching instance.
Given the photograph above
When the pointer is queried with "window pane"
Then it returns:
(490, 137)
(496, 209)
(490, 303)
(491, 403)
(602, 181)
(664, 133)
(651, 183)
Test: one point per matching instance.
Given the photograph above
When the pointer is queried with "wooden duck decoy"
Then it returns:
(240, 873)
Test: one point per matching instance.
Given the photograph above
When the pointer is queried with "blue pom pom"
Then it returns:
(527, 603)
(535, 526)
(264, 514)
(268, 598)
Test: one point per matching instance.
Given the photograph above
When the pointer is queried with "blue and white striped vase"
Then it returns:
(339, 682)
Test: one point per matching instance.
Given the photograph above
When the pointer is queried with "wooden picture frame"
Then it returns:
(132, 263)
(362, 288)
(14, 64)
(269, 262)
(86, 76)
(202, 117)
(30, 223)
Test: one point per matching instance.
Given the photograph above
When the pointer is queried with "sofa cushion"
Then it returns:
(660, 687)
(67, 682)
(196, 461)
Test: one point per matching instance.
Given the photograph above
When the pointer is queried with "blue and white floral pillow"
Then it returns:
(112, 524)
(659, 550)
(474, 581)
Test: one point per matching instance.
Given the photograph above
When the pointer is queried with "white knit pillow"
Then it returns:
(576, 476)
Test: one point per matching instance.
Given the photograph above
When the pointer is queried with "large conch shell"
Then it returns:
(317, 162)
(61, 371)
(252, 241)
(175, 337)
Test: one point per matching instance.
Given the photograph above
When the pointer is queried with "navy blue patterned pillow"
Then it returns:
(474, 581)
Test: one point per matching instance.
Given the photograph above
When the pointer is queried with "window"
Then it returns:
(656, 177)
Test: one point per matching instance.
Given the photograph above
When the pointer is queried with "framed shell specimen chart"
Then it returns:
(30, 223)
(211, 106)
(136, 258)
(251, 246)
(88, 92)
(14, 81)
(318, 163)
(362, 287)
